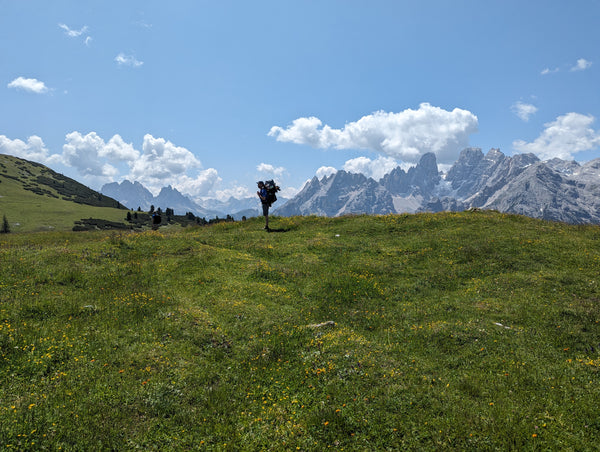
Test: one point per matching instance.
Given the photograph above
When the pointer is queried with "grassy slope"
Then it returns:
(27, 211)
(470, 331)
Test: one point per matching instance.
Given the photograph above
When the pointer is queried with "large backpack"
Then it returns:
(271, 188)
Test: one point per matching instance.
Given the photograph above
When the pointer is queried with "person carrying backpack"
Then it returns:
(264, 199)
(266, 193)
(156, 219)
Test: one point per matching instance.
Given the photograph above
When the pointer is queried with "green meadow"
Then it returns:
(34, 198)
(452, 331)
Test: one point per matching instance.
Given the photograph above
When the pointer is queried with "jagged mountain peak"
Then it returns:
(339, 194)
(522, 183)
(419, 180)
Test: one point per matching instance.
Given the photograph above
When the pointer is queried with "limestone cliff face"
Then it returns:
(341, 193)
(554, 190)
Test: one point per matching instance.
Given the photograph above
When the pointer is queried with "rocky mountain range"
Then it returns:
(556, 190)
(134, 195)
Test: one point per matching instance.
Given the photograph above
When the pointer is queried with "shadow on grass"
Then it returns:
(278, 230)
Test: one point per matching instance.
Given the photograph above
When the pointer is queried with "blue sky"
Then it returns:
(210, 96)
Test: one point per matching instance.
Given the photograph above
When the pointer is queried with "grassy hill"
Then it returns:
(454, 331)
(35, 198)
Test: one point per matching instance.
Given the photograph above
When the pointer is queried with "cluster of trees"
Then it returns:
(168, 217)
(136, 220)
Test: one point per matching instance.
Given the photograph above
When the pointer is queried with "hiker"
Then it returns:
(263, 195)
(156, 219)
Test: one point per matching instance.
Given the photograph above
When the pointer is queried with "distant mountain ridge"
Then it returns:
(134, 195)
(556, 190)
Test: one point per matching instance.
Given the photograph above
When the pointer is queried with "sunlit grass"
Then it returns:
(470, 331)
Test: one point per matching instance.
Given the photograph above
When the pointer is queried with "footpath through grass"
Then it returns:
(470, 331)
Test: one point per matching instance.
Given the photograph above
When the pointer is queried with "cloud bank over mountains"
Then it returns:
(405, 136)
(158, 164)
(563, 138)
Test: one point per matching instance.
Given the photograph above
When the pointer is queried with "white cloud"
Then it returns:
(325, 171)
(73, 33)
(28, 84)
(159, 164)
(581, 65)
(117, 149)
(270, 169)
(547, 71)
(97, 162)
(87, 154)
(236, 191)
(127, 60)
(523, 111)
(371, 168)
(162, 163)
(406, 135)
(199, 185)
(88, 40)
(143, 24)
(289, 192)
(34, 150)
(563, 137)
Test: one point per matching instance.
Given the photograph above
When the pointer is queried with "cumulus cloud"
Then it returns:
(270, 169)
(235, 191)
(127, 60)
(159, 164)
(325, 171)
(34, 149)
(73, 33)
(198, 185)
(88, 154)
(96, 161)
(28, 84)
(162, 163)
(406, 135)
(523, 110)
(117, 149)
(563, 137)
(581, 65)
(371, 168)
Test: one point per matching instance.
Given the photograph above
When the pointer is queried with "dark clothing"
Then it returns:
(263, 195)
(263, 199)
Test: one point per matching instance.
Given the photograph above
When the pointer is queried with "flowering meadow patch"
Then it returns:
(457, 331)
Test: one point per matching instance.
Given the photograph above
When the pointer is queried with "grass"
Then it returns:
(453, 331)
(28, 211)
